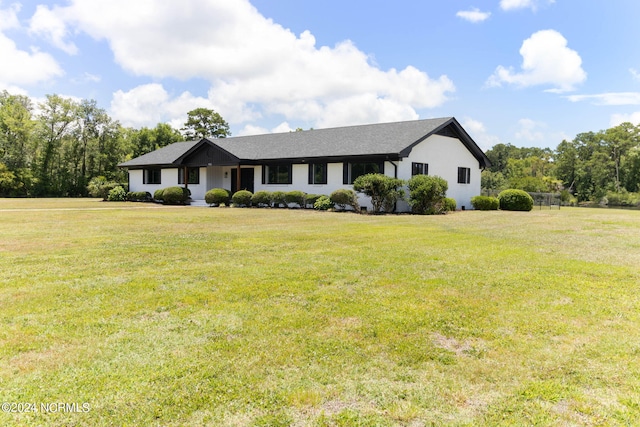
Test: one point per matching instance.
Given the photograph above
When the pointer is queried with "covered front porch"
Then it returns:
(208, 166)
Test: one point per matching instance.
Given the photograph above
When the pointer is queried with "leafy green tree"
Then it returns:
(384, 191)
(55, 124)
(427, 194)
(205, 123)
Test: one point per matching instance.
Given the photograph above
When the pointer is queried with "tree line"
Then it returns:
(58, 147)
(591, 167)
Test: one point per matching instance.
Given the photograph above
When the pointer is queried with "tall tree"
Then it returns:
(56, 120)
(205, 123)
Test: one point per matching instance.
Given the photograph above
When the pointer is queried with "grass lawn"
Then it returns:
(175, 316)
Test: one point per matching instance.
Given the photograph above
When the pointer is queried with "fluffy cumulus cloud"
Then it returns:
(530, 130)
(255, 67)
(477, 130)
(522, 4)
(473, 15)
(22, 67)
(546, 60)
(617, 119)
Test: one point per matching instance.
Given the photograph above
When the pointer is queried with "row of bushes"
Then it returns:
(507, 200)
(427, 195)
(172, 195)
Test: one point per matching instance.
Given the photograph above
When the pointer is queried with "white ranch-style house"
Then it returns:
(318, 161)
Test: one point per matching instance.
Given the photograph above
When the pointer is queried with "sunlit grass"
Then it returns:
(197, 316)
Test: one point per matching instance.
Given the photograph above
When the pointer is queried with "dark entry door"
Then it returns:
(246, 179)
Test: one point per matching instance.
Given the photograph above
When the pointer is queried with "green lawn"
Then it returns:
(177, 316)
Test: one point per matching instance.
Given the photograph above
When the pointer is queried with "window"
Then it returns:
(152, 176)
(353, 170)
(317, 173)
(193, 176)
(276, 174)
(419, 169)
(464, 175)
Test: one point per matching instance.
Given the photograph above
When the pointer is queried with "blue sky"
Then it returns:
(525, 72)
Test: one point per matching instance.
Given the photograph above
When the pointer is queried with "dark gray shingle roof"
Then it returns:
(162, 156)
(364, 140)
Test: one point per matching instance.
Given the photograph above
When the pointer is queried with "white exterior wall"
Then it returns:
(444, 155)
(168, 178)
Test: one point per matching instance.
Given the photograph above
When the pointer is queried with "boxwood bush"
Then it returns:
(450, 204)
(139, 196)
(261, 198)
(295, 197)
(310, 199)
(175, 195)
(217, 197)
(117, 194)
(279, 199)
(323, 203)
(242, 198)
(157, 195)
(344, 197)
(515, 200)
(485, 203)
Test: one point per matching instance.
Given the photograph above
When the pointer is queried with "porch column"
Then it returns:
(185, 175)
(238, 180)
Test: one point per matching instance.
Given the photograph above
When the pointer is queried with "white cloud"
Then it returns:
(474, 15)
(26, 67)
(9, 17)
(150, 104)
(479, 133)
(546, 60)
(521, 4)
(635, 73)
(529, 130)
(617, 119)
(50, 25)
(611, 98)
(255, 66)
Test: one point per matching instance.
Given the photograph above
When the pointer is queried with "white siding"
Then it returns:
(444, 155)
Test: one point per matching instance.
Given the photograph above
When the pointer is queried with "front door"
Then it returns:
(246, 179)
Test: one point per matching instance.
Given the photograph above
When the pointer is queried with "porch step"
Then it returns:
(198, 203)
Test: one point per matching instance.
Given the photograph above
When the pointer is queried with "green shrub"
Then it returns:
(310, 199)
(217, 196)
(139, 196)
(175, 195)
(344, 197)
(279, 199)
(323, 203)
(622, 198)
(157, 195)
(295, 197)
(485, 203)
(100, 187)
(117, 195)
(427, 194)
(383, 190)
(450, 204)
(261, 198)
(515, 200)
(242, 198)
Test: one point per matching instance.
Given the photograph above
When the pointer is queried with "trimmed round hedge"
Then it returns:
(515, 200)
(217, 196)
(261, 198)
(485, 203)
(175, 195)
(242, 198)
